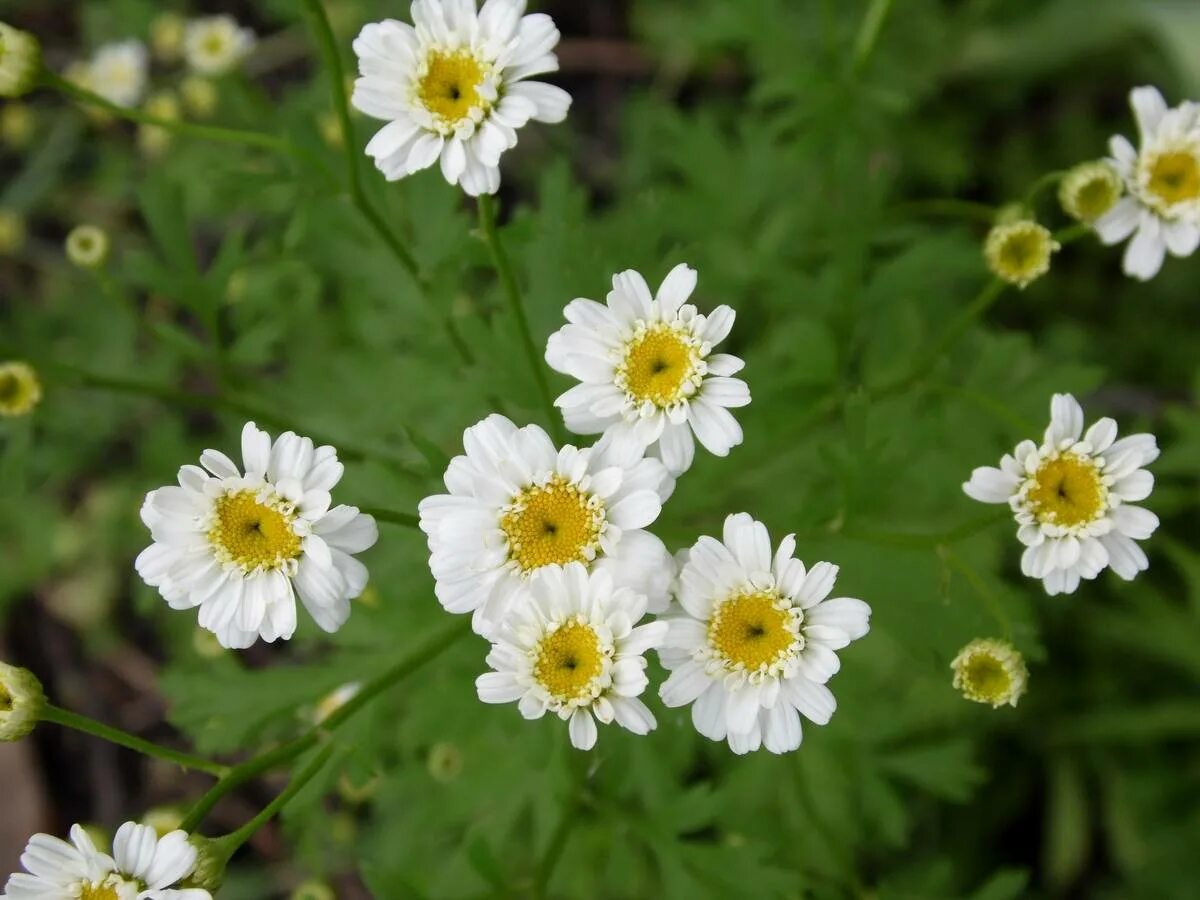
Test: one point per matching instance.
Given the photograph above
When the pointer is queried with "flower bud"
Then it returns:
(313, 890)
(1090, 190)
(20, 61)
(199, 96)
(12, 232)
(1019, 252)
(445, 762)
(163, 819)
(154, 139)
(21, 702)
(87, 246)
(20, 389)
(208, 873)
(990, 671)
(166, 36)
(17, 125)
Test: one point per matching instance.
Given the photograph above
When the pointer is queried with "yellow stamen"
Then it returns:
(1175, 177)
(659, 364)
(569, 660)
(552, 524)
(1067, 491)
(450, 86)
(98, 892)
(253, 534)
(752, 631)
(990, 671)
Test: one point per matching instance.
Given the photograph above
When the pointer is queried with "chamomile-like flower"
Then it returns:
(517, 504)
(1073, 496)
(1019, 252)
(216, 45)
(648, 376)
(142, 866)
(1089, 190)
(755, 641)
(573, 647)
(990, 671)
(242, 546)
(453, 86)
(117, 72)
(1161, 208)
(20, 390)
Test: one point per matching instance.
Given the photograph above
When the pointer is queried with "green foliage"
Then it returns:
(758, 153)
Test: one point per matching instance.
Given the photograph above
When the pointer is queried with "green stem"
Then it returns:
(976, 308)
(235, 840)
(985, 593)
(487, 224)
(264, 762)
(950, 207)
(191, 129)
(1050, 179)
(392, 516)
(926, 541)
(358, 194)
(868, 33)
(68, 719)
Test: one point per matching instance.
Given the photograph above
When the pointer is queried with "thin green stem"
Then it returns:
(950, 207)
(1050, 179)
(868, 33)
(491, 237)
(358, 195)
(428, 650)
(392, 516)
(233, 841)
(926, 541)
(985, 593)
(68, 719)
(206, 132)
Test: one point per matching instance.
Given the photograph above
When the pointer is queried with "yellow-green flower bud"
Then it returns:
(208, 873)
(154, 139)
(445, 762)
(87, 246)
(990, 671)
(21, 702)
(199, 96)
(17, 125)
(313, 890)
(12, 232)
(1019, 252)
(20, 390)
(166, 36)
(163, 819)
(1090, 190)
(20, 61)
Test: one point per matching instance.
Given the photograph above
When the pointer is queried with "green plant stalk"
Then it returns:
(358, 194)
(284, 753)
(491, 237)
(231, 842)
(68, 719)
(868, 33)
(979, 585)
(392, 516)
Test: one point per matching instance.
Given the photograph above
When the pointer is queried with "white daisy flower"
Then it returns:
(1162, 180)
(216, 45)
(1072, 498)
(454, 87)
(143, 866)
(754, 643)
(118, 72)
(517, 504)
(241, 546)
(574, 648)
(647, 371)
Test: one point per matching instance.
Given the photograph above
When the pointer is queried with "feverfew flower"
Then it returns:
(216, 45)
(241, 546)
(87, 246)
(1072, 498)
(573, 647)
(754, 643)
(20, 390)
(21, 702)
(117, 72)
(1089, 190)
(990, 671)
(166, 36)
(1162, 179)
(517, 504)
(453, 87)
(1019, 252)
(648, 375)
(143, 866)
(20, 60)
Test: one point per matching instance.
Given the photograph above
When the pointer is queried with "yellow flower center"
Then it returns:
(19, 389)
(450, 86)
(552, 524)
(214, 43)
(986, 679)
(98, 892)
(10, 386)
(1095, 198)
(751, 630)
(6, 700)
(253, 534)
(1067, 491)
(569, 660)
(659, 364)
(1175, 177)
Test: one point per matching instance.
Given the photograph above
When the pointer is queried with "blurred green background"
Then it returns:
(765, 143)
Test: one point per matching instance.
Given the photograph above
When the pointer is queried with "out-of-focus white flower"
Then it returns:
(216, 45)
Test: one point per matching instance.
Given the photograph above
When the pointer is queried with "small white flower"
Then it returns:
(990, 671)
(1072, 498)
(1162, 181)
(573, 647)
(216, 45)
(143, 866)
(755, 641)
(517, 504)
(240, 547)
(648, 375)
(87, 246)
(454, 87)
(20, 59)
(117, 72)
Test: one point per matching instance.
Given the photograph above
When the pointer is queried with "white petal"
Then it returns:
(1144, 255)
